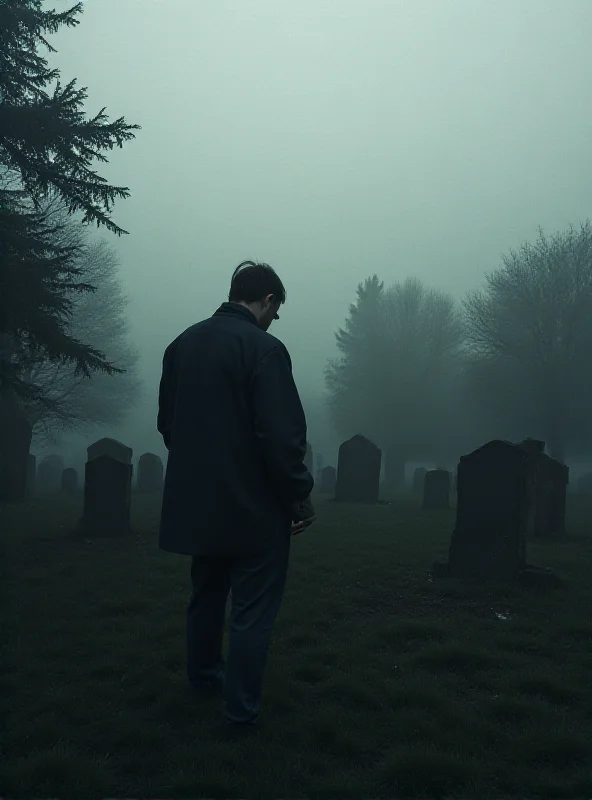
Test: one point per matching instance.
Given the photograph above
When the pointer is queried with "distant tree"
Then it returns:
(394, 380)
(529, 340)
(71, 401)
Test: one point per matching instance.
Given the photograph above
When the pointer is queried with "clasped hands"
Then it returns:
(303, 515)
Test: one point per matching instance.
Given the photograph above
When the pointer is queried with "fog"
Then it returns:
(332, 140)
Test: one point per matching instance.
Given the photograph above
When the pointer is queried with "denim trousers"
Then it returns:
(256, 586)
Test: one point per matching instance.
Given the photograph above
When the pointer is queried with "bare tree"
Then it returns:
(529, 339)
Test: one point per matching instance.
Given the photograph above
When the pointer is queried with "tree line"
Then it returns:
(63, 336)
(426, 378)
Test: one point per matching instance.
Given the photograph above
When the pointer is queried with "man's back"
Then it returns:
(230, 415)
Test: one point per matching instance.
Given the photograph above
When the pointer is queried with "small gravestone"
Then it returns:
(150, 474)
(49, 475)
(308, 460)
(436, 489)
(107, 489)
(418, 479)
(31, 476)
(69, 481)
(328, 479)
(358, 471)
(489, 538)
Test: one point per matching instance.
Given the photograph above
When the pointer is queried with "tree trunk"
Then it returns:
(15, 441)
(394, 470)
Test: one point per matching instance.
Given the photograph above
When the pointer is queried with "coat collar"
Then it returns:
(236, 310)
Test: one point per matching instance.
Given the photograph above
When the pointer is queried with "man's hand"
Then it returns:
(303, 515)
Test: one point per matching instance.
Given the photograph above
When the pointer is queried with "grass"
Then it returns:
(380, 682)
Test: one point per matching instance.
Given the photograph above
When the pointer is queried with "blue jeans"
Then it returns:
(256, 584)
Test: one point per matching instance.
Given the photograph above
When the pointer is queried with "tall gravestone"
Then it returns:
(358, 471)
(493, 503)
(328, 479)
(107, 489)
(308, 460)
(69, 481)
(31, 476)
(49, 475)
(150, 474)
(548, 495)
(418, 479)
(436, 489)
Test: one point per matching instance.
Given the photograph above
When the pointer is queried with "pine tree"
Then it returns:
(48, 148)
(45, 136)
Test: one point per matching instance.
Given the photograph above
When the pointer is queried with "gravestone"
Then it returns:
(308, 460)
(328, 479)
(110, 447)
(150, 474)
(489, 538)
(436, 489)
(418, 479)
(549, 479)
(107, 489)
(358, 471)
(49, 475)
(31, 476)
(69, 481)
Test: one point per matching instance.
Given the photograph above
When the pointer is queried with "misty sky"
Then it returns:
(332, 140)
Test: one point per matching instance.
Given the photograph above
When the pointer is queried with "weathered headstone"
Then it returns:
(49, 475)
(489, 538)
(358, 471)
(107, 489)
(69, 481)
(150, 473)
(418, 479)
(436, 489)
(328, 479)
(548, 494)
(31, 476)
(308, 460)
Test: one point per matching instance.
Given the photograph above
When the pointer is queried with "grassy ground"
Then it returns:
(380, 682)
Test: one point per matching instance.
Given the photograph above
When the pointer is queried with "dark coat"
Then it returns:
(232, 420)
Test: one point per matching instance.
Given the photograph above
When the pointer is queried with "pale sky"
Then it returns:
(332, 139)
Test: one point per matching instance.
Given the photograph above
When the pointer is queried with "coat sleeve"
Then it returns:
(166, 396)
(280, 425)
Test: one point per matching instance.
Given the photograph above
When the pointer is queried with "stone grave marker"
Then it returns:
(328, 479)
(548, 494)
(358, 471)
(489, 538)
(107, 489)
(150, 474)
(436, 489)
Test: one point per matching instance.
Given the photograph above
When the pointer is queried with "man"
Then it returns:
(236, 485)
